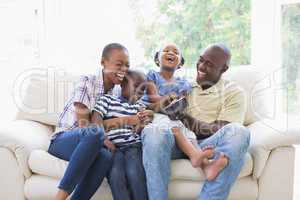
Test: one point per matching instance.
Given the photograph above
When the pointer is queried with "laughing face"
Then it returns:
(116, 65)
(169, 57)
(210, 66)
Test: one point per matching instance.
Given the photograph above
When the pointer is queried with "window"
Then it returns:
(193, 25)
(20, 46)
(290, 48)
(275, 51)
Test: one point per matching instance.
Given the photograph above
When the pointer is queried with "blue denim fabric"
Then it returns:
(127, 177)
(159, 148)
(88, 161)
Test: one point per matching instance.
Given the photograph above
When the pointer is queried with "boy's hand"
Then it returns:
(109, 145)
(145, 116)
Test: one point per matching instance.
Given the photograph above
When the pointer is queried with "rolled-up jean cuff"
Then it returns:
(67, 189)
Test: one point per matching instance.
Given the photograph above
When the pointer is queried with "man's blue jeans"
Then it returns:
(159, 147)
(88, 164)
(127, 177)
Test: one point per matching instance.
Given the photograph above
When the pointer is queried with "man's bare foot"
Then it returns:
(212, 169)
(202, 156)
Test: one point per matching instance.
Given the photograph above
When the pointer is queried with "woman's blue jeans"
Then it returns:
(88, 164)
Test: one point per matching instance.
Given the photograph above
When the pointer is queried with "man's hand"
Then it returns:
(109, 145)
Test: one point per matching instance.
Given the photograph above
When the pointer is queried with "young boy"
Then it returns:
(127, 177)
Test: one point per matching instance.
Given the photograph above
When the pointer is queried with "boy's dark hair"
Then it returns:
(136, 75)
(108, 48)
(156, 59)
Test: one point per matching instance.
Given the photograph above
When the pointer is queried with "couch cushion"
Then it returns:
(182, 170)
(43, 163)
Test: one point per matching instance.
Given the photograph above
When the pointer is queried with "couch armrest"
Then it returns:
(21, 137)
(267, 136)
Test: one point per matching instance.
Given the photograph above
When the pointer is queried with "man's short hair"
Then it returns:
(224, 48)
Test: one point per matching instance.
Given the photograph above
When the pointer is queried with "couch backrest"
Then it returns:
(45, 96)
(257, 88)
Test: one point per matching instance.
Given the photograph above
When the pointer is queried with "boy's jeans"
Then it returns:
(158, 148)
(127, 176)
(88, 164)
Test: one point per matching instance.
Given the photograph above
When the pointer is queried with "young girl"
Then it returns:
(163, 86)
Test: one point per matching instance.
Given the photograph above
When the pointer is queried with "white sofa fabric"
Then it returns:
(27, 171)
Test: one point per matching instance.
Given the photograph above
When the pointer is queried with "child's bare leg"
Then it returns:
(213, 168)
(61, 195)
(195, 155)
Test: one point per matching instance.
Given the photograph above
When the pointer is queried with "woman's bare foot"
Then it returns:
(212, 169)
(61, 195)
(202, 156)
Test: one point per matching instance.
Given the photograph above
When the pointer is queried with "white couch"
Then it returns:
(27, 171)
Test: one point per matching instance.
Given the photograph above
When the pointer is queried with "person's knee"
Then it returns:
(243, 133)
(240, 137)
(93, 135)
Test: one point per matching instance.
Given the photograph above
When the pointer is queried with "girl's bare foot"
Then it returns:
(202, 156)
(212, 169)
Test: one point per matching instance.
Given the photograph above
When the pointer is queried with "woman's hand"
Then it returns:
(109, 145)
(145, 116)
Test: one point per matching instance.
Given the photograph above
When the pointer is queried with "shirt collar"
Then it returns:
(100, 82)
(213, 89)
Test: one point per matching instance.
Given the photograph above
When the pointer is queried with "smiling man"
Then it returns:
(215, 113)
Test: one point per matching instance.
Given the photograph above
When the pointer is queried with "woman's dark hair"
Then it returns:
(156, 59)
(108, 48)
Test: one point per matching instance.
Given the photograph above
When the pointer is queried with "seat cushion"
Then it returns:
(43, 163)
